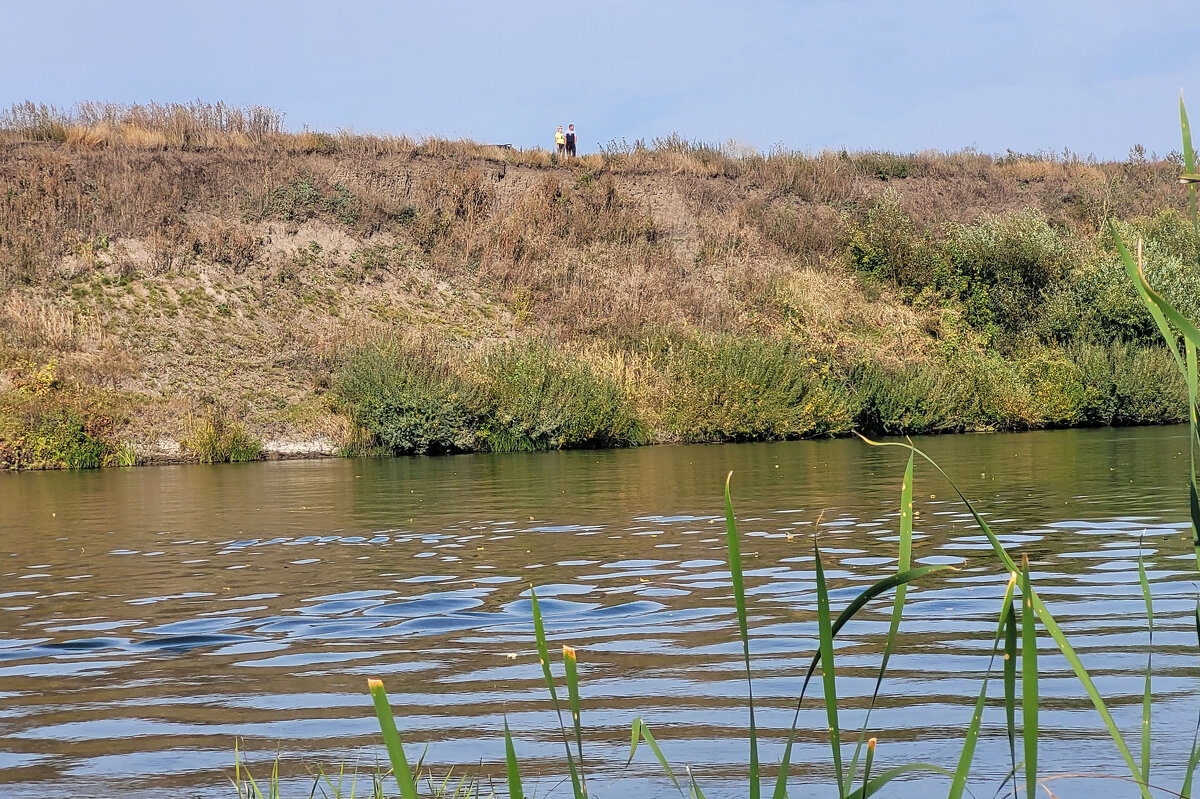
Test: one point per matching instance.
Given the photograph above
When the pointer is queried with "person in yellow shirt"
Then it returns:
(560, 141)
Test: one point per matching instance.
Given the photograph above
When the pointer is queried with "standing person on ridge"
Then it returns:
(571, 140)
(560, 142)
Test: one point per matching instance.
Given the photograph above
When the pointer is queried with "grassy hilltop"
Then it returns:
(194, 282)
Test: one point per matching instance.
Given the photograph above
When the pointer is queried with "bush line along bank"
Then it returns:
(172, 263)
(531, 395)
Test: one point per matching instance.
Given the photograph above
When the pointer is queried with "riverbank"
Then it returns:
(176, 275)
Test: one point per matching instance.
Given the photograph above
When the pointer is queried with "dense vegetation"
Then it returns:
(180, 263)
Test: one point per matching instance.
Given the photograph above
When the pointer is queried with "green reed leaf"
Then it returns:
(1143, 290)
(843, 618)
(539, 633)
(885, 777)
(1010, 688)
(693, 787)
(571, 668)
(641, 731)
(739, 600)
(828, 674)
(1029, 681)
(963, 770)
(391, 740)
(511, 766)
(903, 563)
(1146, 691)
(857, 604)
(1189, 163)
(1186, 791)
(867, 767)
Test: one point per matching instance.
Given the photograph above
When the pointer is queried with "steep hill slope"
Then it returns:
(164, 283)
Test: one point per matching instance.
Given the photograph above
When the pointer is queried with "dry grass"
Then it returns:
(39, 325)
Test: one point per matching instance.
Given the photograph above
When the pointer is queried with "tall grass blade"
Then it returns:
(857, 604)
(867, 766)
(1193, 386)
(511, 767)
(539, 633)
(963, 770)
(1043, 613)
(641, 731)
(1186, 791)
(1143, 290)
(903, 563)
(1029, 681)
(1162, 311)
(739, 599)
(696, 793)
(828, 674)
(1146, 691)
(571, 668)
(1189, 163)
(1010, 688)
(391, 739)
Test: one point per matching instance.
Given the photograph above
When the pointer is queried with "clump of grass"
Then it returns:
(526, 395)
(409, 398)
(217, 437)
(727, 388)
(152, 125)
(537, 396)
(306, 197)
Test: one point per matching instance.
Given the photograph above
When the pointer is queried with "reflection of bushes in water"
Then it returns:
(217, 437)
(523, 396)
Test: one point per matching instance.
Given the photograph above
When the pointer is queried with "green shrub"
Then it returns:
(1000, 268)
(884, 165)
(217, 437)
(46, 424)
(1005, 264)
(409, 399)
(306, 197)
(889, 245)
(970, 391)
(537, 397)
(912, 399)
(1168, 233)
(1098, 305)
(54, 438)
(728, 388)
(1124, 385)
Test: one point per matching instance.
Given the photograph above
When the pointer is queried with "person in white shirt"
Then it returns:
(572, 139)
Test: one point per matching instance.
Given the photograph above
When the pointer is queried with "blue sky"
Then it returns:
(1094, 77)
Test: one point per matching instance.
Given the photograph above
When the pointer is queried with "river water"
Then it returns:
(150, 617)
